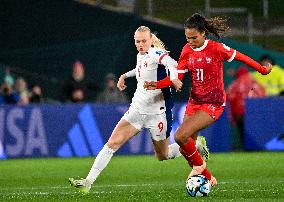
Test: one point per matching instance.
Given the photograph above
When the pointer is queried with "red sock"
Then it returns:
(207, 174)
(185, 156)
(191, 154)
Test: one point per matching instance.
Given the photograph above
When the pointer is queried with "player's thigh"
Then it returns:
(192, 124)
(133, 117)
(158, 126)
(123, 131)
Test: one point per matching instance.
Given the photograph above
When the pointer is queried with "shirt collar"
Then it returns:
(202, 47)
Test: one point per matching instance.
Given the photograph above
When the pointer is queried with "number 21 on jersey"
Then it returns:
(199, 74)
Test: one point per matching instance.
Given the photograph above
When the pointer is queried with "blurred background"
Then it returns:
(60, 60)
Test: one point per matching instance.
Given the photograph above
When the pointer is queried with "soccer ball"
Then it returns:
(198, 185)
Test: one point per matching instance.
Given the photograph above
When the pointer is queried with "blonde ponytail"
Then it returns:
(157, 43)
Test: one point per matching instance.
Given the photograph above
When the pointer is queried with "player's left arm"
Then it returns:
(252, 63)
(171, 65)
(162, 57)
(166, 82)
(230, 54)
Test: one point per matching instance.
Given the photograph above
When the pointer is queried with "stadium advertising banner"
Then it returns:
(264, 124)
(82, 130)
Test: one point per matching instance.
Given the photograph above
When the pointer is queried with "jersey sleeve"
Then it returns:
(171, 65)
(166, 82)
(162, 57)
(158, 54)
(226, 53)
(183, 61)
(131, 73)
(251, 63)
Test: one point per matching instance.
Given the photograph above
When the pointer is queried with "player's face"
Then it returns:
(143, 41)
(194, 37)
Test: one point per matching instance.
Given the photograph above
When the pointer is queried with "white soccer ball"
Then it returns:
(198, 185)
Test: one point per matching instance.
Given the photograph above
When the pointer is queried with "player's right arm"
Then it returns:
(121, 81)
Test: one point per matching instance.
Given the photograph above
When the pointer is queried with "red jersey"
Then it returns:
(206, 68)
(205, 65)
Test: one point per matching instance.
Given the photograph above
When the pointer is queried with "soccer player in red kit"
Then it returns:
(203, 58)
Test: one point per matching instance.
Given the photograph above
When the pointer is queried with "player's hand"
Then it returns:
(268, 66)
(177, 84)
(150, 85)
(121, 83)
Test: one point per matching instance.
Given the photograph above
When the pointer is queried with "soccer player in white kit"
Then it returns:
(149, 109)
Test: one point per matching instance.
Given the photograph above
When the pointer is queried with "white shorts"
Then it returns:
(159, 125)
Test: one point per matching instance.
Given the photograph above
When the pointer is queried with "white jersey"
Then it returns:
(149, 68)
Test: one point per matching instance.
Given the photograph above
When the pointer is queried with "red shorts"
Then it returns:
(213, 110)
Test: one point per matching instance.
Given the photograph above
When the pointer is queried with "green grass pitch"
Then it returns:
(241, 176)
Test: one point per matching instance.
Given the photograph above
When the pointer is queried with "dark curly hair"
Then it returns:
(216, 26)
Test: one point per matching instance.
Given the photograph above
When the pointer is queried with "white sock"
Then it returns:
(100, 163)
(173, 151)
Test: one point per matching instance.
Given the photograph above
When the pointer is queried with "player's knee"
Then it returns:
(114, 144)
(181, 138)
